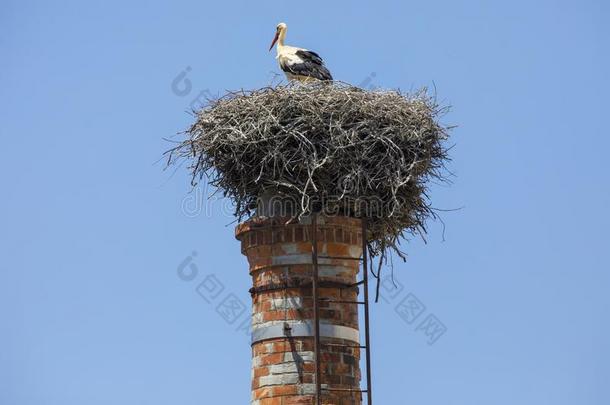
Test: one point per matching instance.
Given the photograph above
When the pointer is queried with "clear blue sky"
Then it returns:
(92, 230)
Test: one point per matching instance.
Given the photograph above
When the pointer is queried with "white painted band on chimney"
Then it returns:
(277, 329)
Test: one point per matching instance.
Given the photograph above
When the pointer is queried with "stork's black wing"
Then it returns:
(312, 66)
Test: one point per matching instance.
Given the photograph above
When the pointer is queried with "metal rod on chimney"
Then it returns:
(365, 275)
(316, 306)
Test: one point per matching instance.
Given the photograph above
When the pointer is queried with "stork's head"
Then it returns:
(280, 33)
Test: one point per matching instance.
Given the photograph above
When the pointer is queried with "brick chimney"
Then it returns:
(281, 266)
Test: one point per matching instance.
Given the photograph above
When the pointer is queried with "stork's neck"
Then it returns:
(281, 38)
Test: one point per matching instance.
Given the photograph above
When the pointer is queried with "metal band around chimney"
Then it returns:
(278, 329)
(299, 283)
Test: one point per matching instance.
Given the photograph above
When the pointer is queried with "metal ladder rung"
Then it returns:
(344, 389)
(342, 301)
(340, 258)
(344, 345)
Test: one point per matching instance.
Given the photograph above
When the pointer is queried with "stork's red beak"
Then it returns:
(277, 35)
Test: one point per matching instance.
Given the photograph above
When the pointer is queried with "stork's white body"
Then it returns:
(286, 56)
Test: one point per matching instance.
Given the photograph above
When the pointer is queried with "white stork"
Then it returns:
(298, 63)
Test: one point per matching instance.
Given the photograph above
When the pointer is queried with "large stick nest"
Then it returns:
(336, 147)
